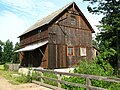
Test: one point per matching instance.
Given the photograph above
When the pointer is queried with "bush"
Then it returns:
(23, 79)
(35, 76)
(92, 69)
(50, 82)
(75, 80)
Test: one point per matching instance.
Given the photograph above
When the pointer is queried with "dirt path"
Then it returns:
(5, 85)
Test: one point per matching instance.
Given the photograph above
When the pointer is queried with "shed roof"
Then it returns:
(46, 20)
(32, 47)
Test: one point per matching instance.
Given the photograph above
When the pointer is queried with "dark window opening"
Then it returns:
(73, 20)
(39, 30)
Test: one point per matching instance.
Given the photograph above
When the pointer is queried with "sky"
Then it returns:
(16, 16)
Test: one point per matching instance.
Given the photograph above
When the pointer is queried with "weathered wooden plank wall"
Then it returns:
(70, 29)
(34, 36)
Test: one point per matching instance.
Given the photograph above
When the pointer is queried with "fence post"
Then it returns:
(59, 78)
(88, 83)
(41, 73)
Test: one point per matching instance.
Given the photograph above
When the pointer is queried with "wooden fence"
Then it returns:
(60, 81)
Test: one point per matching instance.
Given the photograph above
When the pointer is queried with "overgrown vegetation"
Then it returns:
(93, 69)
(7, 74)
(13, 76)
(108, 39)
(50, 75)
(36, 76)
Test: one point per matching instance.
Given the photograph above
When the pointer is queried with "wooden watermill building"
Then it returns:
(59, 40)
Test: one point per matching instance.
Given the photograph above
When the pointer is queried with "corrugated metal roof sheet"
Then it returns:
(32, 47)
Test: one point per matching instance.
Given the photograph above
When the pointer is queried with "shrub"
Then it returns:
(92, 69)
(36, 76)
(23, 79)
(50, 82)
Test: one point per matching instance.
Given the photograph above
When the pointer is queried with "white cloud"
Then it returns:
(29, 8)
(10, 26)
(20, 15)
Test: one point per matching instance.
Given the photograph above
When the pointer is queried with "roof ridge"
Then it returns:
(47, 19)
(50, 18)
(56, 11)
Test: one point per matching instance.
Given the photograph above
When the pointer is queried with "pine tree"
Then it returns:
(15, 56)
(108, 39)
(1, 44)
(7, 51)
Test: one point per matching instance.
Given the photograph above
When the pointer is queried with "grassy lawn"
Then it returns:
(1, 67)
(13, 76)
(8, 75)
(14, 79)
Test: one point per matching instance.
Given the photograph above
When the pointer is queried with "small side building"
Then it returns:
(59, 40)
(95, 52)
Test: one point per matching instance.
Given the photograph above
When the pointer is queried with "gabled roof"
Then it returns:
(46, 20)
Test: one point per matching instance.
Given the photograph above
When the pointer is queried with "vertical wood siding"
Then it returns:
(33, 37)
(61, 35)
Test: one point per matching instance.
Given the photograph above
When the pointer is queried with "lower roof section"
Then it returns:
(32, 47)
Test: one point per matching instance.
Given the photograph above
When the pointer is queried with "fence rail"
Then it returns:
(87, 77)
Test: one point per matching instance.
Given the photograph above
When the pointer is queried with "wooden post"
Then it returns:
(59, 78)
(41, 73)
(88, 83)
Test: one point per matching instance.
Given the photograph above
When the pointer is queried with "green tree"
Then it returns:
(7, 51)
(1, 52)
(109, 37)
(15, 57)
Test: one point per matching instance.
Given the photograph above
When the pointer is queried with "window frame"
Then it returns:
(72, 54)
(73, 20)
(83, 51)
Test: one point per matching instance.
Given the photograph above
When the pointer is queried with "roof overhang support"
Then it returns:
(41, 51)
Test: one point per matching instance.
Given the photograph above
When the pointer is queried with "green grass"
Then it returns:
(14, 80)
(36, 76)
(1, 67)
(8, 75)
(50, 82)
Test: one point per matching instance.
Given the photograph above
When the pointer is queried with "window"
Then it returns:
(73, 20)
(39, 30)
(70, 51)
(83, 51)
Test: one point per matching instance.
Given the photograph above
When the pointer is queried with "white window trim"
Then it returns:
(83, 51)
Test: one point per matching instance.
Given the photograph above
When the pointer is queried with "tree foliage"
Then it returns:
(1, 44)
(92, 69)
(109, 37)
(15, 57)
(7, 52)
